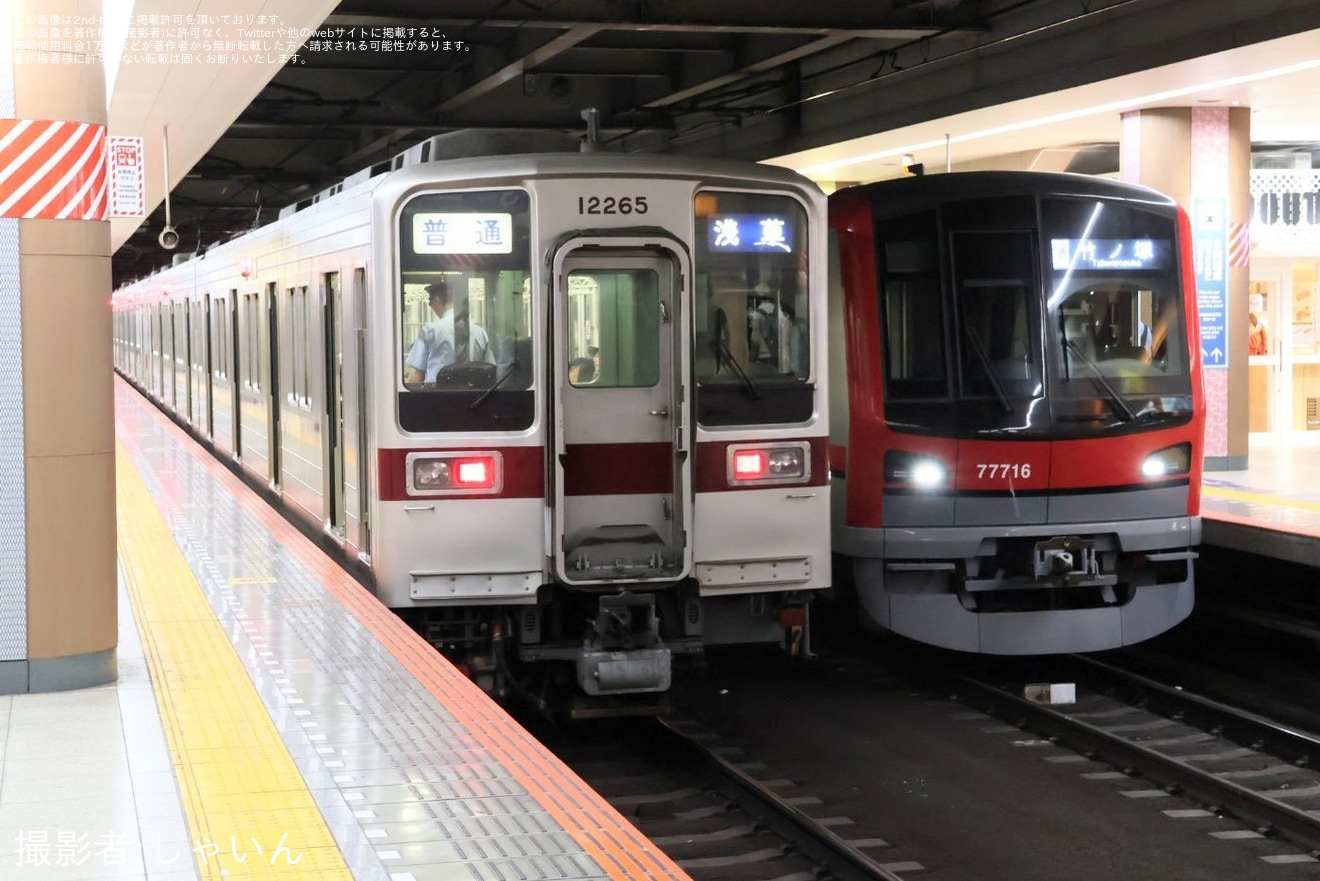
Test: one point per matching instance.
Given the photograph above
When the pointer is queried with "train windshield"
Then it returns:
(1114, 314)
(465, 310)
(753, 322)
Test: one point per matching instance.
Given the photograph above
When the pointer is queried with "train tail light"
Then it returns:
(914, 469)
(1168, 462)
(454, 473)
(768, 464)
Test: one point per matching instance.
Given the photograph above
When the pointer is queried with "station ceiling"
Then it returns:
(840, 89)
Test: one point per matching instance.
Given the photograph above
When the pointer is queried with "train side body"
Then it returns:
(1018, 417)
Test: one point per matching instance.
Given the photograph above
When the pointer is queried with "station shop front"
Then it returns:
(1283, 333)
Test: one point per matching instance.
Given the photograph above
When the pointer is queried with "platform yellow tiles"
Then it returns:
(1273, 500)
(249, 812)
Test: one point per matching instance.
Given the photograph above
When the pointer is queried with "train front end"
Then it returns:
(606, 479)
(1018, 458)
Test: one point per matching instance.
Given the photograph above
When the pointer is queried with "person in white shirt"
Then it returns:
(435, 347)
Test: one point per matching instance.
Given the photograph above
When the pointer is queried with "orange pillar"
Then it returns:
(58, 608)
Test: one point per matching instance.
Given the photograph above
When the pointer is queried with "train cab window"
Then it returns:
(464, 303)
(912, 308)
(1115, 312)
(995, 286)
(753, 321)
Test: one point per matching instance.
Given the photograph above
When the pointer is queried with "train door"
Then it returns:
(157, 384)
(272, 349)
(362, 473)
(167, 376)
(233, 364)
(622, 479)
(207, 366)
(334, 405)
(184, 359)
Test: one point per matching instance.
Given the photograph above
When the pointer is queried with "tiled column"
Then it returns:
(1201, 156)
(58, 610)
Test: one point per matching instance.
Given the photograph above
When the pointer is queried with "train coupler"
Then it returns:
(623, 653)
(618, 672)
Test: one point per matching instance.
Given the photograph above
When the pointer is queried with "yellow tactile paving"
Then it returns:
(249, 812)
(1272, 500)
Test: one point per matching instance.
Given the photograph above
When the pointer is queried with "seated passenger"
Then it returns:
(581, 371)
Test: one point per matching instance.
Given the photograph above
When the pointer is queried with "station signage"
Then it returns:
(1210, 250)
(127, 177)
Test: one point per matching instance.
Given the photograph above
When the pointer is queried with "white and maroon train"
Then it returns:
(546, 526)
(1017, 411)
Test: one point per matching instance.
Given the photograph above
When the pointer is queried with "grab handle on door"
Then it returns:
(663, 414)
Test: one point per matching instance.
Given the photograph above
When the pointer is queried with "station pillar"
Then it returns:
(58, 597)
(1201, 157)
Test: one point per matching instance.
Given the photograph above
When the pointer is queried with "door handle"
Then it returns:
(663, 414)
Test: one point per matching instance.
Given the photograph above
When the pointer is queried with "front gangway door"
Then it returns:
(622, 478)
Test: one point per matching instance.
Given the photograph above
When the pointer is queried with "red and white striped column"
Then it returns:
(58, 615)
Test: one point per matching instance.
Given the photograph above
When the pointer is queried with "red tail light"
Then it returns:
(748, 465)
(476, 473)
(767, 464)
(445, 473)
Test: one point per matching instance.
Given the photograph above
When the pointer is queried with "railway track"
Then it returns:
(1227, 759)
(719, 816)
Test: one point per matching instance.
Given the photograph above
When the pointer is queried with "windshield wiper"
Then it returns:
(499, 381)
(724, 355)
(1120, 405)
(989, 371)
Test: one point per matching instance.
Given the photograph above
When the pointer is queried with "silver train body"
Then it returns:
(545, 523)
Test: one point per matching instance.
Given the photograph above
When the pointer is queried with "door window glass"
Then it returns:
(613, 328)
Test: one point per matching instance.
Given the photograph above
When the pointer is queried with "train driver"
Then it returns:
(445, 341)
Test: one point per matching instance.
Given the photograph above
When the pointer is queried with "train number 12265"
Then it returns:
(612, 205)
(1005, 470)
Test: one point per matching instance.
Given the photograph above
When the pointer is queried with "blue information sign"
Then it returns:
(1210, 246)
(750, 233)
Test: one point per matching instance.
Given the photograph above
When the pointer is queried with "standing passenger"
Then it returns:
(440, 344)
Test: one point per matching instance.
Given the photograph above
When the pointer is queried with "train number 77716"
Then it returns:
(1007, 470)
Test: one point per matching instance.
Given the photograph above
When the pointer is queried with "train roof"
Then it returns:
(959, 185)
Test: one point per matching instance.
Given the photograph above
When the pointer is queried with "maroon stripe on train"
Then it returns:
(712, 464)
(618, 469)
(524, 473)
(596, 469)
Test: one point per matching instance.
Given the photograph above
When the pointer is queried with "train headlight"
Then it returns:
(1168, 462)
(768, 464)
(920, 471)
(454, 473)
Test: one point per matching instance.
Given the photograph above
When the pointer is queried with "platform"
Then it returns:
(272, 720)
(1273, 507)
